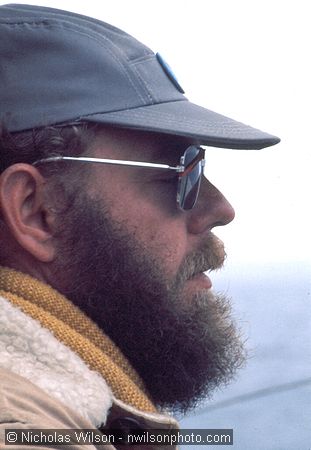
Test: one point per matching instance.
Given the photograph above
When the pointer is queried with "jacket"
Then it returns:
(45, 384)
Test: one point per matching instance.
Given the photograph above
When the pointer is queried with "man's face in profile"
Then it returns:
(134, 263)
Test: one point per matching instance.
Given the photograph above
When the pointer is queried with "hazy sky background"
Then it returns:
(249, 60)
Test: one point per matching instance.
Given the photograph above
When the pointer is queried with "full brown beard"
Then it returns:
(182, 348)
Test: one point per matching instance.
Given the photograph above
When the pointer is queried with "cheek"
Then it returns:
(166, 241)
(162, 235)
(161, 230)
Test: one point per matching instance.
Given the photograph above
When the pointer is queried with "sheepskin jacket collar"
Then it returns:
(48, 341)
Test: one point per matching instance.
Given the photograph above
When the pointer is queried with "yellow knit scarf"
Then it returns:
(70, 326)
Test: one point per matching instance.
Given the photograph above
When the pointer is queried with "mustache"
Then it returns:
(210, 256)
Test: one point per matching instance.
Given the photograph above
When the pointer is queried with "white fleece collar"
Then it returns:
(31, 351)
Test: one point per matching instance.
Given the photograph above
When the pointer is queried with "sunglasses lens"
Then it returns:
(190, 179)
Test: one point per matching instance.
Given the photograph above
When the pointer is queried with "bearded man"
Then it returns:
(107, 316)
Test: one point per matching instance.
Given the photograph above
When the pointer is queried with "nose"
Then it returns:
(211, 210)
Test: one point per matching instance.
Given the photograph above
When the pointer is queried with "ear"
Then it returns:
(25, 211)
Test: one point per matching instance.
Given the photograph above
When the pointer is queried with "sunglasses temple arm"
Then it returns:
(179, 168)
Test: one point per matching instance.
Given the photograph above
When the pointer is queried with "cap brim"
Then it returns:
(183, 118)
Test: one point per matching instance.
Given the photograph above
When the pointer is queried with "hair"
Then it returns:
(39, 143)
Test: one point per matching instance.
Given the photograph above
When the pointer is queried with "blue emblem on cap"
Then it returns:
(169, 72)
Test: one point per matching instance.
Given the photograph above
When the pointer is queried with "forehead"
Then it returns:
(134, 145)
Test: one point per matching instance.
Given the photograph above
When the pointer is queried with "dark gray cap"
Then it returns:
(57, 67)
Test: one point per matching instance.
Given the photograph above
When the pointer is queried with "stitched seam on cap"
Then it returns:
(147, 86)
(133, 108)
(142, 58)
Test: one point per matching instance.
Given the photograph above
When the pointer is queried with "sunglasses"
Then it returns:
(189, 170)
